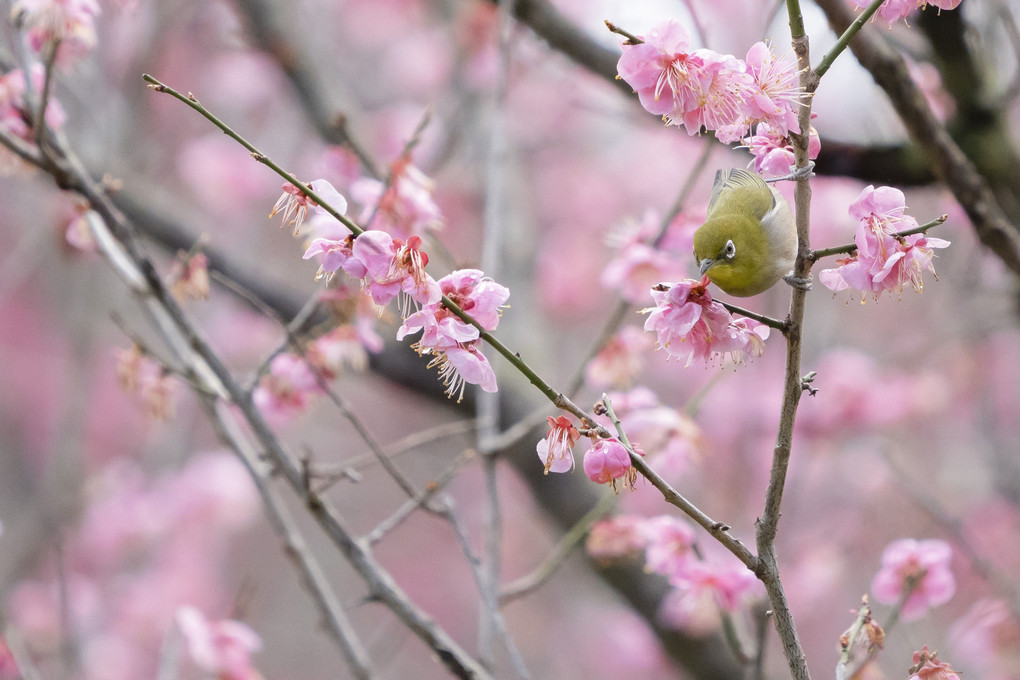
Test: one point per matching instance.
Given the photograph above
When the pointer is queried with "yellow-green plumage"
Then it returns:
(749, 239)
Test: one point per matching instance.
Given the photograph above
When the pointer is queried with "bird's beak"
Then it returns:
(706, 264)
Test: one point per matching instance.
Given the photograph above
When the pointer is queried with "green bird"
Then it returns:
(749, 239)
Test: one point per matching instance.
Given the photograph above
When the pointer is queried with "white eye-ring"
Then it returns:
(730, 250)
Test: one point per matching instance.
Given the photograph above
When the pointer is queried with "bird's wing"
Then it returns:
(738, 178)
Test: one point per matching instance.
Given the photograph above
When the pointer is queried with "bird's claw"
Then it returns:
(806, 172)
(799, 283)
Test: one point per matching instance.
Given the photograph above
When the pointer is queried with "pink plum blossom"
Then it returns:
(685, 313)
(883, 261)
(393, 266)
(452, 340)
(773, 152)
(661, 69)
(460, 364)
(775, 97)
(723, 88)
(907, 561)
(404, 208)
(606, 461)
(220, 648)
(335, 254)
(295, 205)
(928, 667)
(555, 450)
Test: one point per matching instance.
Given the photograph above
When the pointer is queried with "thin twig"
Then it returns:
(417, 501)
(760, 318)
(851, 247)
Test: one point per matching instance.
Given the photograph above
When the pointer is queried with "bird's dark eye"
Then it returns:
(730, 250)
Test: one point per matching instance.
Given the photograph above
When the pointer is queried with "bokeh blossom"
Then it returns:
(924, 565)
(620, 361)
(403, 208)
(987, 639)
(616, 537)
(148, 380)
(669, 439)
(221, 648)
(285, 391)
(15, 117)
(68, 25)
(669, 544)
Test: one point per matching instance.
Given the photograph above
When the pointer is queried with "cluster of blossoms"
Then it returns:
(894, 10)
(148, 381)
(923, 567)
(700, 588)
(686, 314)
(605, 461)
(453, 342)
(884, 260)
(390, 267)
(701, 88)
(222, 649)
